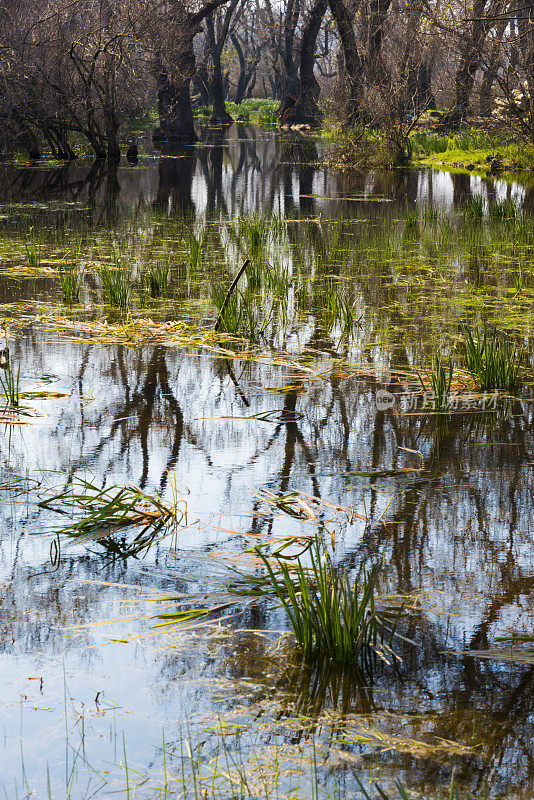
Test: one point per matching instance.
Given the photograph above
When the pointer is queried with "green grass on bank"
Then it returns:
(262, 112)
(471, 149)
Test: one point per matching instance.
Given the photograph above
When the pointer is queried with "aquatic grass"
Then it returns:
(331, 616)
(195, 249)
(504, 211)
(157, 279)
(411, 222)
(279, 281)
(440, 381)
(32, 251)
(229, 308)
(430, 215)
(473, 209)
(97, 514)
(490, 358)
(254, 230)
(339, 311)
(10, 383)
(116, 285)
(70, 280)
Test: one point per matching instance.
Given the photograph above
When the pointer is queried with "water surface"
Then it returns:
(447, 498)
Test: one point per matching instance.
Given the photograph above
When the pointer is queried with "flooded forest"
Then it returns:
(266, 400)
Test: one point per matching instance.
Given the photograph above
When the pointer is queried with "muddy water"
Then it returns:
(85, 709)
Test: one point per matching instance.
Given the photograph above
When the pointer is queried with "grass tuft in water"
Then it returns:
(32, 251)
(195, 250)
(255, 229)
(230, 312)
(116, 285)
(331, 616)
(157, 279)
(339, 311)
(473, 209)
(490, 358)
(505, 211)
(10, 384)
(70, 281)
(440, 381)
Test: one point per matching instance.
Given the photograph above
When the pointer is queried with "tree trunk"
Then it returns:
(201, 83)
(246, 71)
(419, 88)
(470, 58)
(174, 97)
(174, 108)
(490, 74)
(351, 57)
(306, 110)
(220, 115)
(291, 77)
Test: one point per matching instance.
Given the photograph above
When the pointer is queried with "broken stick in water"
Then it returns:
(229, 293)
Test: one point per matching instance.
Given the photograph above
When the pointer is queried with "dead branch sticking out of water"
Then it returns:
(229, 294)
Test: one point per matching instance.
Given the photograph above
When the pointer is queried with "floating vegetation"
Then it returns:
(520, 649)
(100, 514)
(306, 507)
(71, 281)
(490, 358)
(332, 616)
(216, 765)
(521, 656)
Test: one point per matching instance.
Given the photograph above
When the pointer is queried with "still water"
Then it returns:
(444, 502)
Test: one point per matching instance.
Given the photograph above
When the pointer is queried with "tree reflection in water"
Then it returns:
(461, 525)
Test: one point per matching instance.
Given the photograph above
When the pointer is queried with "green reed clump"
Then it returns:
(70, 281)
(157, 279)
(241, 314)
(230, 314)
(490, 358)
(195, 249)
(331, 615)
(440, 382)
(430, 215)
(116, 285)
(255, 231)
(411, 222)
(339, 311)
(279, 281)
(429, 143)
(10, 384)
(32, 251)
(504, 211)
(473, 209)
(257, 274)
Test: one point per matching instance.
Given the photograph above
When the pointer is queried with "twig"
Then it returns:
(229, 293)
